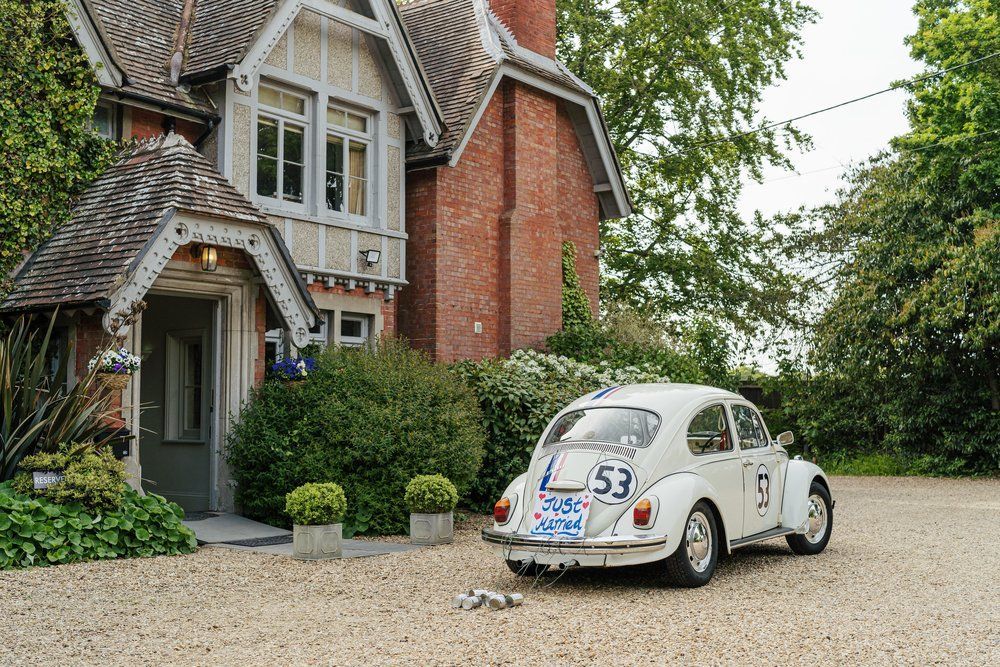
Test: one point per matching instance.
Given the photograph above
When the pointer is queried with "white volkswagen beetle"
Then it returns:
(672, 472)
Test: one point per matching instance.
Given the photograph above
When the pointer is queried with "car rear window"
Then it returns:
(621, 426)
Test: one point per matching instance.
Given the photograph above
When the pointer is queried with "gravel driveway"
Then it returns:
(910, 576)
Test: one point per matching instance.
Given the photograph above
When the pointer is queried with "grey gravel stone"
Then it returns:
(910, 577)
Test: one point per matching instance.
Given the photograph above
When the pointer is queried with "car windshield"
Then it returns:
(622, 426)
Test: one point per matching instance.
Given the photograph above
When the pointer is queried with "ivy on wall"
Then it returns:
(48, 151)
(575, 304)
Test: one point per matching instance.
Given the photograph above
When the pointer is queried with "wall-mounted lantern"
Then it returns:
(207, 254)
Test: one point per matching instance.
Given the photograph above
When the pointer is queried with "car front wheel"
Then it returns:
(819, 526)
(693, 564)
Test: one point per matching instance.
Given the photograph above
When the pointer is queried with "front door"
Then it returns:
(761, 503)
(176, 390)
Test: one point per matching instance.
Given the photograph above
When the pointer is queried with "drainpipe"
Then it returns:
(177, 60)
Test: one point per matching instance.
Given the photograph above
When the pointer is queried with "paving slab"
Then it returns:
(232, 531)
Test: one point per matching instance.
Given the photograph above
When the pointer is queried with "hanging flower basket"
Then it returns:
(114, 368)
(114, 381)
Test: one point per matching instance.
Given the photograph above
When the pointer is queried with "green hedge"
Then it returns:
(36, 531)
(371, 419)
(518, 397)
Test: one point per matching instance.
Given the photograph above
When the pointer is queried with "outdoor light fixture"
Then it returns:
(208, 255)
(372, 256)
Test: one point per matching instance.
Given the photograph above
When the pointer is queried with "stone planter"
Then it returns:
(432, 528)
(317, 542)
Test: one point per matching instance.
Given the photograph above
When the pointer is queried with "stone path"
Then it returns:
(231, 531)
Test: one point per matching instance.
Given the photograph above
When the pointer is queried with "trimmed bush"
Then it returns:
(36, 531)
(316, 504)
(93, 477)
(519, 396)
(431, 494)
(372, 419)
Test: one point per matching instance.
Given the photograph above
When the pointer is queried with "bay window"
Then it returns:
(281, 145)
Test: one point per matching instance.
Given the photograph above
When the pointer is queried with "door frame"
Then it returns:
(234, 357)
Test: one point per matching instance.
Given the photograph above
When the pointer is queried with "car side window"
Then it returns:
(708, 432)
(748, 428)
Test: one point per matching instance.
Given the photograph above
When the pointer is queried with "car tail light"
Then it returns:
(501, 511)
(642, 513)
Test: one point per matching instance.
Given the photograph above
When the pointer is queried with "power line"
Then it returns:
(862, 98)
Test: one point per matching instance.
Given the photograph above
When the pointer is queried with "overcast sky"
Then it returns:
(856, 47)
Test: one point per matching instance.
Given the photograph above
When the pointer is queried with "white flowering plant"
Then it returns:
(519, 396)
(119, 362)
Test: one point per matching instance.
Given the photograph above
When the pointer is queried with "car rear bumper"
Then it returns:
(613, 545)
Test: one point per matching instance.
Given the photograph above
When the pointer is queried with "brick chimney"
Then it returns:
(533, 23)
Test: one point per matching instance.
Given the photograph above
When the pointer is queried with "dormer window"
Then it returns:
(104, 121)
(348, 139)
(281, 145)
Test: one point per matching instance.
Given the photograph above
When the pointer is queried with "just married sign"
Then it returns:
(561, 515)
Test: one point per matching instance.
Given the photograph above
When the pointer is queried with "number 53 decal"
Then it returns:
(612, 482)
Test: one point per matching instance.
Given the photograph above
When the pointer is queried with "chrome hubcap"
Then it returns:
(817, 519)
(698, 538)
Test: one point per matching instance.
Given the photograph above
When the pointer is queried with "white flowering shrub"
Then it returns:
(519, 396)
(119, 361)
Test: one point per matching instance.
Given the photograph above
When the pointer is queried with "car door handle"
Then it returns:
(747, 463)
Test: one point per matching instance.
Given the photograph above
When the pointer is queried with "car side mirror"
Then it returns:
(786, 439)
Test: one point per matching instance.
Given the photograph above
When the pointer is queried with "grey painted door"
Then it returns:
(176, 392)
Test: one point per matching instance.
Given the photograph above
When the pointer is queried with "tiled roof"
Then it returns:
(142, 34)
(223, 31)
(461, 66)
(117, 216)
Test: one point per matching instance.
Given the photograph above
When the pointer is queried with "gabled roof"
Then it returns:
(465, 50)
(117, 217)
(142, 35)
(223, 31)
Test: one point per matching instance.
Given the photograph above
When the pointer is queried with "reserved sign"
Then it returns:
(561, 515)
(44, 480)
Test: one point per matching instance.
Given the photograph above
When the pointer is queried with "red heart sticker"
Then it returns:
(538, 515)
(586, 505)
(541, 495)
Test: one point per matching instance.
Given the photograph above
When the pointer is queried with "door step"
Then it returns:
(760, 537)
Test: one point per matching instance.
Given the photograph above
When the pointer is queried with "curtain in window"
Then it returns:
(358, 172)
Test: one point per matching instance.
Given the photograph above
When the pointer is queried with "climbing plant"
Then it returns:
(48, 150)
(575, 304)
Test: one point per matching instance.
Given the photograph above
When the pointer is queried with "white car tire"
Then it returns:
(693, 564)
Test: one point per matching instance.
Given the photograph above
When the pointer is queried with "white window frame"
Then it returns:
(347, 136)
(175, 367)
(282, 117)
(112, 120)
(355, 341)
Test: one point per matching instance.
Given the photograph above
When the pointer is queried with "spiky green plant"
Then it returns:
(38, 410)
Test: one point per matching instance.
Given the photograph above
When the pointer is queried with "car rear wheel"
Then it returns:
(527, 569)
(819, 526)
(693, 564)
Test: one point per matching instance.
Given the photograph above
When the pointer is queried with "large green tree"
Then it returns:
(677, 79)
(914, 324)
(48, 151)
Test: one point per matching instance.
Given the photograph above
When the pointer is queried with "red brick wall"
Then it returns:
(146, 123)
(533, 23)
(579, 210)
(485, 236)
(91, 338)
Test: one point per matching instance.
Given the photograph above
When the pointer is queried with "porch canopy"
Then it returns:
(125, 227)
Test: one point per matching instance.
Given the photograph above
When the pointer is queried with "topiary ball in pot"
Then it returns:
(431, 499)
(316, 510)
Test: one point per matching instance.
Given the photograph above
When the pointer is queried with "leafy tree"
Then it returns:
(676, 79)
(48, 151)
(907, 355)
